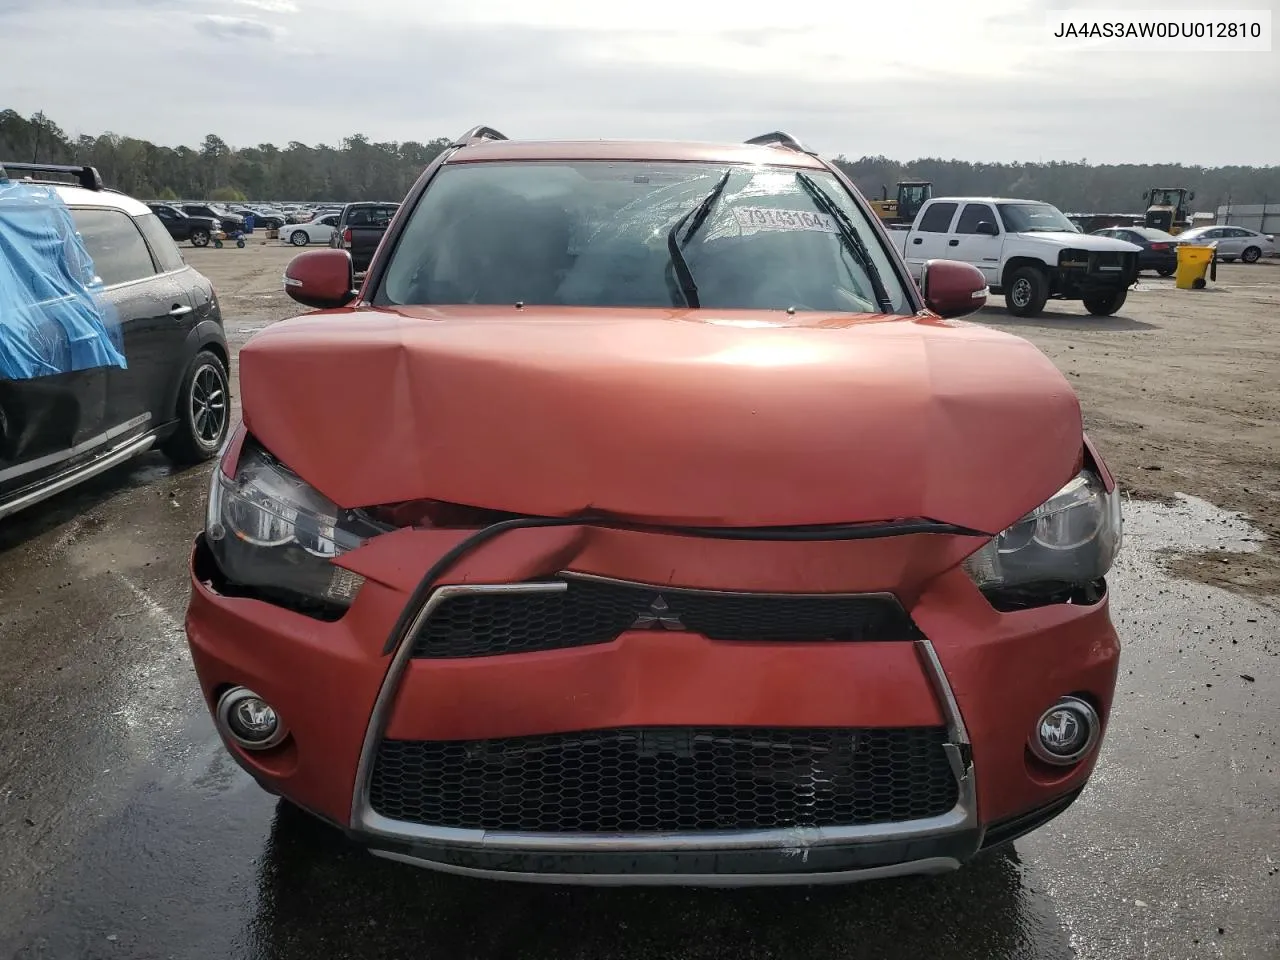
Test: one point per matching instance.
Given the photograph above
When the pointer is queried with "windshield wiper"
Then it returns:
(694, 218)
(849, 234)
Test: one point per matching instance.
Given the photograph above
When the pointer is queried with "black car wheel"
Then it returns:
(199, 238)
(1026, 292)
(204, 411)
(1251, 254)
(1165, 271)
(1107, 302)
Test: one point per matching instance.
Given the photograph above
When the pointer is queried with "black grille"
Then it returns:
(590, 611)
(662, 779)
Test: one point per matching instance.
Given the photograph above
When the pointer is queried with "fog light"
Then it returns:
(1066, 732)
(248, 720)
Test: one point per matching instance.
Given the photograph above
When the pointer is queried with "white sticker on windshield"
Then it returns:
(771, 218)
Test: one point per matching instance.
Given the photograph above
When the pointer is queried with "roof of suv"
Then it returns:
(75, 196)
(659, 150)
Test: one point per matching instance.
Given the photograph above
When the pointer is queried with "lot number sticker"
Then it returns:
(751, 219)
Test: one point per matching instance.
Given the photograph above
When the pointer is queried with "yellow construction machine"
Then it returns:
(903, 209)
(1168, 208)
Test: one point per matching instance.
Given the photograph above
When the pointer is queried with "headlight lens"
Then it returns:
(270, 531)
(1071, 538)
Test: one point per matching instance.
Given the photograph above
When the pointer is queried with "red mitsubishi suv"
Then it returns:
(639, 520)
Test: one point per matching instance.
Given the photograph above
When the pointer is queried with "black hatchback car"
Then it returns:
(172, 388)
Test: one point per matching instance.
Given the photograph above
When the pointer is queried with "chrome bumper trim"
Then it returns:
(932, 865)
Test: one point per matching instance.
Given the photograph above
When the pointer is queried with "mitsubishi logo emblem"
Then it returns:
(658, 614)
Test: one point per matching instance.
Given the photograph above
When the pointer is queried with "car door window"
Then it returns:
(974, 214)
(163, 250)
(937, 219)
(119, 253)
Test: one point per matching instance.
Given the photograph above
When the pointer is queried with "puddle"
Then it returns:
(1190, 524)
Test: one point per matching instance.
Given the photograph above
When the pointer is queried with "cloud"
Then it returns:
(963, 83)
(269, 6)
(237, 28)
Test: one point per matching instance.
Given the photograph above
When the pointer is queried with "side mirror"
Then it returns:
(321, 278)
(952, 289)
(986, 228)
(1191, 195)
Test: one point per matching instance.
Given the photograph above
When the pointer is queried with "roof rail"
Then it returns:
(478, 133)
(89, 177)
(779, 139)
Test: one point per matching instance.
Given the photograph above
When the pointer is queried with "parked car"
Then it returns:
(1027, 250)
(658, 529)
(360, 229)
(198, 230)
(1158, 250)
(1232, 242)
(231, 222)
(265, 221)
(149, 363)
(314, 231)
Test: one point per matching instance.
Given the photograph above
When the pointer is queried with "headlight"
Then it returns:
(1071, 538)
(271, 532)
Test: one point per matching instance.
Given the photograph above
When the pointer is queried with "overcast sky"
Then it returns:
(973, 79)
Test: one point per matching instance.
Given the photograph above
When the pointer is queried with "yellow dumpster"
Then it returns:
(1193, 264)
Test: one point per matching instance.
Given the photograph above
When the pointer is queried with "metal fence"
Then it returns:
(1264, 216)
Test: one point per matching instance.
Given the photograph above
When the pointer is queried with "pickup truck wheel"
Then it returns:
(199, 238)
(299, 238)
(1105, 304)
(1026, 292)
(1251, 254)
(204, 411)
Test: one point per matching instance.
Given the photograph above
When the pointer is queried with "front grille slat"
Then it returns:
(641, 780)
(591, 612)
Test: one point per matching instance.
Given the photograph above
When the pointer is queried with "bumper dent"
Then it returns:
(737, 856)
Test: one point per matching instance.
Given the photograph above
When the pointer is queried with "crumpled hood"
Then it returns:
(665, 416)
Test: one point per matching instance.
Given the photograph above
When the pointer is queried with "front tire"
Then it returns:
(1107, 303)
(200, 238)
(299, 238)
(1251, 254)
(204, 411)
(1027, 292)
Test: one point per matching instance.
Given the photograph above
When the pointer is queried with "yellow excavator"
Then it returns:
(903, 209)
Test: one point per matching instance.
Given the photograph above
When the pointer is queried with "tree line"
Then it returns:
(360, 169)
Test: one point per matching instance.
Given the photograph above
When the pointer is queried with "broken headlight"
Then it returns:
(274, 535)
(1069, 540)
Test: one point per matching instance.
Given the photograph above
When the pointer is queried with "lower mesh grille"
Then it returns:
(667, 779)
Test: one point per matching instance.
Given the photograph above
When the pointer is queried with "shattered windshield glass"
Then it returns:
(596, 233)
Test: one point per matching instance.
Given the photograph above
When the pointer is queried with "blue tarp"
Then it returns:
(53, 315)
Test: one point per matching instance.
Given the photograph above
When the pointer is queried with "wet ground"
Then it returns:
(126, 833)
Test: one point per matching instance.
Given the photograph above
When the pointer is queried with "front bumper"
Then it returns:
(981, 676)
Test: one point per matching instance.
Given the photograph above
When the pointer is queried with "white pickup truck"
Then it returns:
(1027, 250)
